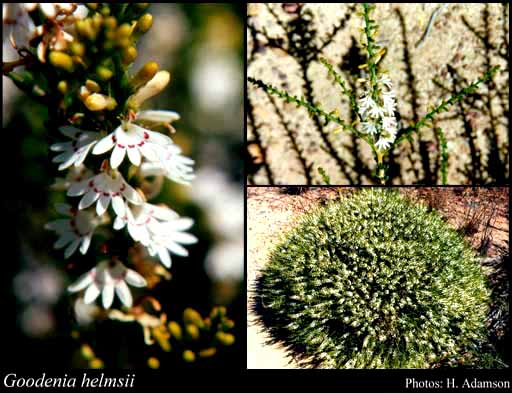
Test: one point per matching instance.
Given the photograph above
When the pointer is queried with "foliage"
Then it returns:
(374, 281)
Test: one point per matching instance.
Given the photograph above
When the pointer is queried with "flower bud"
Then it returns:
(144, 23)
(104, 73)
(192, 331)
(175, 330)
(96, 363)
(62, 86)
(61, 60)
(192, 316)
(225, 338)
(128, 55)
(153, 363)
(98, 102)
(110, 23)
(92, 86)
(87, 352)
(145, 74)
(77, 48)
(152, 88)
(207, 353)
(189, 356)
(124, 31)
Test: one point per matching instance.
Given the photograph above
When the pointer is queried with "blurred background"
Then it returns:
(202, 47)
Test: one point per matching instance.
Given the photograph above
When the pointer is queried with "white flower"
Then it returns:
(20, 28)
(389, 124)
(159, 229)
(376, 111)
(173, 165)
(224, 261)
(385, 141)
(104, 188)
(366, 103)
(75, 152)
(368, 127)
(134, 140)
(74, 231)
(73, 175)
(389, 102)
(386, 81)
(105, 278)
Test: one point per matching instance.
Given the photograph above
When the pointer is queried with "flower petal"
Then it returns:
(117, 156)
(118, 205)
(102, 204)
(91, 293)
(123, 292)
(72, 247)
(88, 199)
(83, 281)
(104, 145)
(107, 295)
(134, 156)
(134, 279)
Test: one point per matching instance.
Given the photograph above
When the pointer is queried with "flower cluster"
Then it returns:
(109, 145)
(374, 281)
(377, 113)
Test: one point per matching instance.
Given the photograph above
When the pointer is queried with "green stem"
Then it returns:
(300, 102)
(348, 92)
(444, 104)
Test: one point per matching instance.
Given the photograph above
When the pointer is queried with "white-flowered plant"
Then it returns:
(107, 137)
(112, 157)
(376, 107)
(106, 278)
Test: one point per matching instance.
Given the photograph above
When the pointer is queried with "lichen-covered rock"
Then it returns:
(374, 281)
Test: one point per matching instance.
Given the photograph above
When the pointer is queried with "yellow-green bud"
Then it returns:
(104, 73)
(77, 48)
(92, 6)
(87, 352)
(192, 316)
(110, 23)
(92, 86)
(175, 330)
(207, 353)
(145, 74)
(153, 362)
(225, 338)
(129, 55)
(124, 42)
(189, 356)
(228, 324)
(96, 22)
(124, 31)
(192, 331)
(62, 86)
(144, 23)
(105, 10)
(112, 104)
(218, 312)
(96, 363)
(96, 102)
(61, 60)
(142, 6)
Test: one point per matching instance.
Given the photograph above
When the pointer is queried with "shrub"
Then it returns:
(374, 281)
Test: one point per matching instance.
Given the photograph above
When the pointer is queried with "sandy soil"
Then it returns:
(270, 212)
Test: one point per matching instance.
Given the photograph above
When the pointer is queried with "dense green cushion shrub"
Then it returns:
(373, 280)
